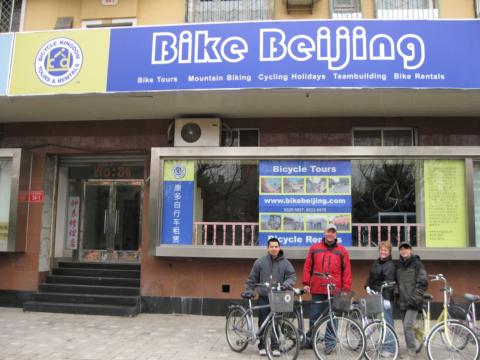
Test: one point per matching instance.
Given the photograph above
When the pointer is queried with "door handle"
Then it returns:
(117, 218)
(105, 223)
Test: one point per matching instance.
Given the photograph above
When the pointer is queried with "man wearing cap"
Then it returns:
(412, 281)
(326, 256)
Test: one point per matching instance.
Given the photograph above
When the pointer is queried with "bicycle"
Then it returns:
(449, 338)
(277, 331)
(381, 338)
(335, 335)
(386, 196)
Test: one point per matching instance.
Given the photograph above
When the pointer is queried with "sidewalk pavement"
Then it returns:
(35, 336)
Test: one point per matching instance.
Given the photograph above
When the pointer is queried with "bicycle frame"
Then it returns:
(254, 335)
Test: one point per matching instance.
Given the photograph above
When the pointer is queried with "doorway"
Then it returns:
(111, 220)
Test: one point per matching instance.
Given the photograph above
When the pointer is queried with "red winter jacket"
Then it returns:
(327, 259)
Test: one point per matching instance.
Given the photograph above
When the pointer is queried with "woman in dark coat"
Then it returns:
(383, 269)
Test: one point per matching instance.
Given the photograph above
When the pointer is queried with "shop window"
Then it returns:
(346, 9)
(476, 190)
(407, 9)
(229, 10)
(239, 137)
(383, 137)
(5, 186)
(10, 15)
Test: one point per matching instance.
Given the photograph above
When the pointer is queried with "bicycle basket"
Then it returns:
(281, 301)
(343, 302)
(372, 304)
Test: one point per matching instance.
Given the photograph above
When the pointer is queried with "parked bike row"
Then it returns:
(341, 328)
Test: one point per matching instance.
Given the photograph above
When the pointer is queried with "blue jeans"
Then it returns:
(388, 313)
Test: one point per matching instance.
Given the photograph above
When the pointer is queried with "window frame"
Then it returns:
(382, 129)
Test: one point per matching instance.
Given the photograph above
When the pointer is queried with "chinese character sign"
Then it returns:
(178, 200)
(72, 222)
(298, 199)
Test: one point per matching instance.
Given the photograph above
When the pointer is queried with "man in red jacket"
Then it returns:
(330, 257)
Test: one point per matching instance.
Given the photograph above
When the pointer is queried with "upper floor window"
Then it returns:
(240, 137)
(383, 137)
(228, 10)
(407, 9)
(346, 9)
(89, 24)
(10, 15)
(477, 8)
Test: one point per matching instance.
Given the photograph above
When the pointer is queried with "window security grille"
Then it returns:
(407, 9)
(228, 10)
(346, 9)
(10, 12)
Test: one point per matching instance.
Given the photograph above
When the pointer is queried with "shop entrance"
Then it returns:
(111, 220)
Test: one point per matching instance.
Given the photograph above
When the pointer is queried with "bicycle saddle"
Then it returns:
(247, 295)
(427, 296)
(471, 297)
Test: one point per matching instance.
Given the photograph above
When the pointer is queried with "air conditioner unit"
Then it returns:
(197, 132)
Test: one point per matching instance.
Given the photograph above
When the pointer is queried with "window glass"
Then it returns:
(229, 10)
(5, 188)
(367, 138)
(397, 138)
(476, 189)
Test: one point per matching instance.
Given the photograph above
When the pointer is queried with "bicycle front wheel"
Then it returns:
(452, 341)
(236, 329)
(296, 319)
(381, 341)
(281, 339)
(340, 338)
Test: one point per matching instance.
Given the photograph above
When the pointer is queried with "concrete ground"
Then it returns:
(35, 336)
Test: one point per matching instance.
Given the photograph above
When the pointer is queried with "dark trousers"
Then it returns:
(315, 311)
(262, 315)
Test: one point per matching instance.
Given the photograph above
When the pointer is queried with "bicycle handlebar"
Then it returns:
(437, 277)
(324, 275)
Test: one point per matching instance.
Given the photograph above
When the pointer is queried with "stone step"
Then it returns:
(89, 309)
(92, 280)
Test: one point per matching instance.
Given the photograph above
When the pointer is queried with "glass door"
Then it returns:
(111, 226)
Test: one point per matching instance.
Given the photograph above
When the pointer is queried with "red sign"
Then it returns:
(35, 196)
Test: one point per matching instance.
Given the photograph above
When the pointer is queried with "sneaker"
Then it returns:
(262, 352)
(329, 350)
(386, 354)
(276, 353)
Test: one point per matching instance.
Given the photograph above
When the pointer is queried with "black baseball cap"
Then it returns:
(405, 244)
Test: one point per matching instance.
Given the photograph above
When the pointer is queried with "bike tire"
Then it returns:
(356, 315)
(336, 340)
(377, 344)
(282, 335)
(237, 329)
(463, 342)
(419, 330)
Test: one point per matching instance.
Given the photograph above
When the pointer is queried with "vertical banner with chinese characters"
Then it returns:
(178, 202)
(72, 222)
(299, 198)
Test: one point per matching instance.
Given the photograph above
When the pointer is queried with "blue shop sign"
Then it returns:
(296, 54)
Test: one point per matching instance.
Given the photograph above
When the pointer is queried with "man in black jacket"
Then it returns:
(273, 268)
(412, 282)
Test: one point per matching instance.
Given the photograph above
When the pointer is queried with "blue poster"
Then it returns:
(178, 201)
(296, 54)
(6, 41)
(298, 199)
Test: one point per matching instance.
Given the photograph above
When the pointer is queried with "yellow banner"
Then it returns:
(445, 204)
(60, 62)
(179, 170)
(3, 231)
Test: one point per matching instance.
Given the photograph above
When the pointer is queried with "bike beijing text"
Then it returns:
(337, 48)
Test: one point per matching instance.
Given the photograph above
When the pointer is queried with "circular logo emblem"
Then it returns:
(58, 61)
(179, 171)
(287, 298)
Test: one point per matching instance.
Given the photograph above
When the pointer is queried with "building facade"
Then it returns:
(181, 135)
